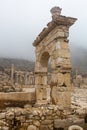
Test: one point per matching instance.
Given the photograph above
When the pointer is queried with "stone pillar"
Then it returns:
(16, 78)
(12, 73)
(41, 88)
(26, 79)
(31, 79)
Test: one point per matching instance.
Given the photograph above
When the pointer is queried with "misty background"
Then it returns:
(22, 20)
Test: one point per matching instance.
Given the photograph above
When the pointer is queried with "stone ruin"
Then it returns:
(45, 99)
(53, 43)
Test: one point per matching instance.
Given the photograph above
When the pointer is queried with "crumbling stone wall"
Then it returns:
(79, 97)
(5, 81)
(48, 117)
(24, 78)
(19, 81)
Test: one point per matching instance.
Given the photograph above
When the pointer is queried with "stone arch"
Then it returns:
(52, 43)
(44, 59)
(45, 62)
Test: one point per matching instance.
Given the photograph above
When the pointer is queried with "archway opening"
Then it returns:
(44, 59)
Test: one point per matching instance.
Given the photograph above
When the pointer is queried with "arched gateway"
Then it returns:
(53, 43)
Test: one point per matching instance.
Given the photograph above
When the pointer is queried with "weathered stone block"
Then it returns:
(67, 79)
(10, 115)
(16, 97)
(64, 45)
(60, 123)
(48, 94)
(63, 62)
(41, 95)
(5, 128)
(32, 127)
(2, 115)
(54, 78)
(50, 47)
(36, 123)
(63, 53)
(47, 122)
(44, 127)
(61, 98)
(60, 77)
(53, 64)
(41, 79)
(58, 45)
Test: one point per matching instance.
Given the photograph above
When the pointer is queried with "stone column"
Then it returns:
(16, 77)
(12, 73)
(26, 79)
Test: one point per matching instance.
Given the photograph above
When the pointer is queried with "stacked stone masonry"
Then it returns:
(48, 117)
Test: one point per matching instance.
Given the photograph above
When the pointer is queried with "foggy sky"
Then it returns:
(22, 20)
